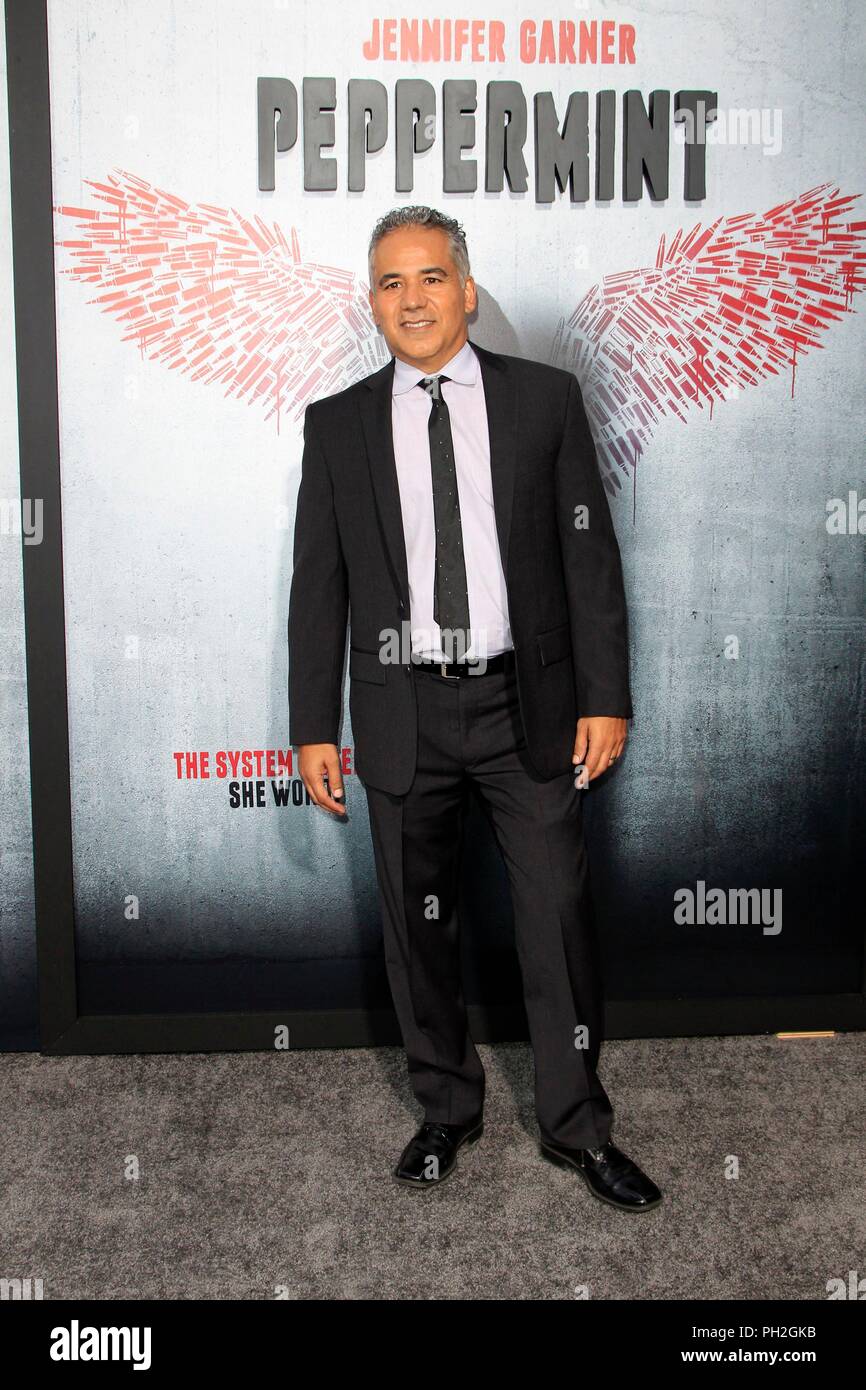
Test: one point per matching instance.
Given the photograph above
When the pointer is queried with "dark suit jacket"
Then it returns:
(565, 592)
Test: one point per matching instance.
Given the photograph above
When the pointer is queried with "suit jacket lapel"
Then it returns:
(501, 399)
(379, 440)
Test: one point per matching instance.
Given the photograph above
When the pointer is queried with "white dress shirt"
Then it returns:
(490, 631)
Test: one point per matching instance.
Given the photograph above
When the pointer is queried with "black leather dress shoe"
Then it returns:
(431, 1155)
(609, 1174)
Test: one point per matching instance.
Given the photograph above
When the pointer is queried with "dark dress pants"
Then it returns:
(469, 730)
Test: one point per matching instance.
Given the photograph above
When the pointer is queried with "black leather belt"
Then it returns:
(459, 670)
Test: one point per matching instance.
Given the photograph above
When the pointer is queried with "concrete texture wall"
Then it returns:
(178, 508)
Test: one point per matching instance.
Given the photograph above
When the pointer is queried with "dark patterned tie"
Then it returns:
(450, 594)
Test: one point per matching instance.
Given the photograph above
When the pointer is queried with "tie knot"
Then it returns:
(431, 384)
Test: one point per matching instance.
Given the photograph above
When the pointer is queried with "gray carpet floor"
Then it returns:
(244, 1176)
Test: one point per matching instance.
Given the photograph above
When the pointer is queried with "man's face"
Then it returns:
(415, 282)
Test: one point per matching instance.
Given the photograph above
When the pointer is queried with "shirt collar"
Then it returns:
(462, 367)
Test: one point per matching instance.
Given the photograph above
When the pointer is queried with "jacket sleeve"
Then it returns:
(593, 572)
(318, 604)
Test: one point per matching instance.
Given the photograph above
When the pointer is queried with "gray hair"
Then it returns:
(419, 216)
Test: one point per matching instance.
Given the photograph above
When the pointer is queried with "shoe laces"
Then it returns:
(606, 1153)
(438, 1128)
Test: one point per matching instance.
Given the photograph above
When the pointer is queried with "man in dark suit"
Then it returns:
(452, 502)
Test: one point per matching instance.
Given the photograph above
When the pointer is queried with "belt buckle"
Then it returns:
(444, 672)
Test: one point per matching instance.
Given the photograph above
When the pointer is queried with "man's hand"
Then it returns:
(314, 761)
(598, 743)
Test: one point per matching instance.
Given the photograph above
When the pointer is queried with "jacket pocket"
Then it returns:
(554, 645)
(366, 666)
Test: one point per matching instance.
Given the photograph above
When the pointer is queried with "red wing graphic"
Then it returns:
(723, 307)
(226, 299)
(221, 297)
